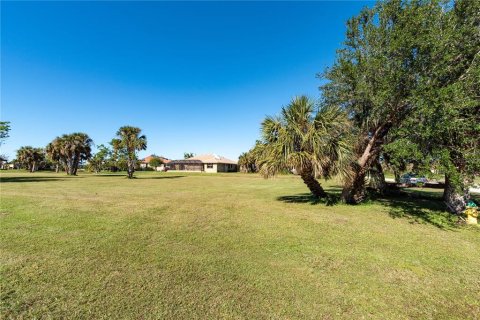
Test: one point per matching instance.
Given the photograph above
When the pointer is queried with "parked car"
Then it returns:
(411, 179)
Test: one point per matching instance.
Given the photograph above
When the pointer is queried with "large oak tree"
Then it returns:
(376, 75)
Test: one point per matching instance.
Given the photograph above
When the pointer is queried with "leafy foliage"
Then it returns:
(188, 155)
(155, 162)
(401, 153)
(375, 77)
(4, 130)
(100, 159)
(445, 123)
(409, 70)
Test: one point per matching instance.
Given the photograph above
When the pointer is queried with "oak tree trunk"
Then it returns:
(455, 195)
(379, 180)
(354, 190)
(397, 175)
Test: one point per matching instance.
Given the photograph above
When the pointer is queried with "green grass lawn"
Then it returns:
(232, 246)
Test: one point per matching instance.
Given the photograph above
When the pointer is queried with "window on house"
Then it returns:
(209, 165)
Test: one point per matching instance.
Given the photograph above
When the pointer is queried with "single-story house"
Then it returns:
(204, 163)
(144, 163)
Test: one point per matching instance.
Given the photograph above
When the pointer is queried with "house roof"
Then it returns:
(212, 158)
(150, 157)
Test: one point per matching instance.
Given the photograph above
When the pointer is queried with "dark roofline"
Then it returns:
(187, 161)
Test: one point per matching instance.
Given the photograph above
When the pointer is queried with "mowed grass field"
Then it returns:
(226, 246)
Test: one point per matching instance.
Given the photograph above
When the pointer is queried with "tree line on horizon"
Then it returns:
(68, 151)
(403, 91)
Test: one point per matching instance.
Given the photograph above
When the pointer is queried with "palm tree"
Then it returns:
(70, 150)
(248, 161)
(130, 140)
(82, 145)
(244, 162)
(53, 152)
(30, 157)
(312, 141)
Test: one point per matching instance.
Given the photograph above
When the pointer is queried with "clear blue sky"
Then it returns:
(195, 76)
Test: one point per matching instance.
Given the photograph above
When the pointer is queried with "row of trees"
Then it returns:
(404, 89)
(70, 150)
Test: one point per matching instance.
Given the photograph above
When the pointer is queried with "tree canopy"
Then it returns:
(100, 159)
(187, 155)
(4, 130)
(375, 77)
(409, 70)
(155, 162)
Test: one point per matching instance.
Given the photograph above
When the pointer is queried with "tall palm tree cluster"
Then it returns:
(30, 157)
(70, 150)
(247, 161)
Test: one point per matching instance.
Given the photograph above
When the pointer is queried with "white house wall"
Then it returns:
(214, 169)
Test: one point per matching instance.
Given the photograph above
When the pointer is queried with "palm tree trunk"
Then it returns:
(313, 184)
(76, 161)
(70, 166)
(130, 168)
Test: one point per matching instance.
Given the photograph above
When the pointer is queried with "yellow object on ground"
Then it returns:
(472, 214)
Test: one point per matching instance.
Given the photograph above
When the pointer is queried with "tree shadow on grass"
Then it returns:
(163, 177)
(137, 177)
(425, 209)
(430, 210)
(330, 200)
(30, 179)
